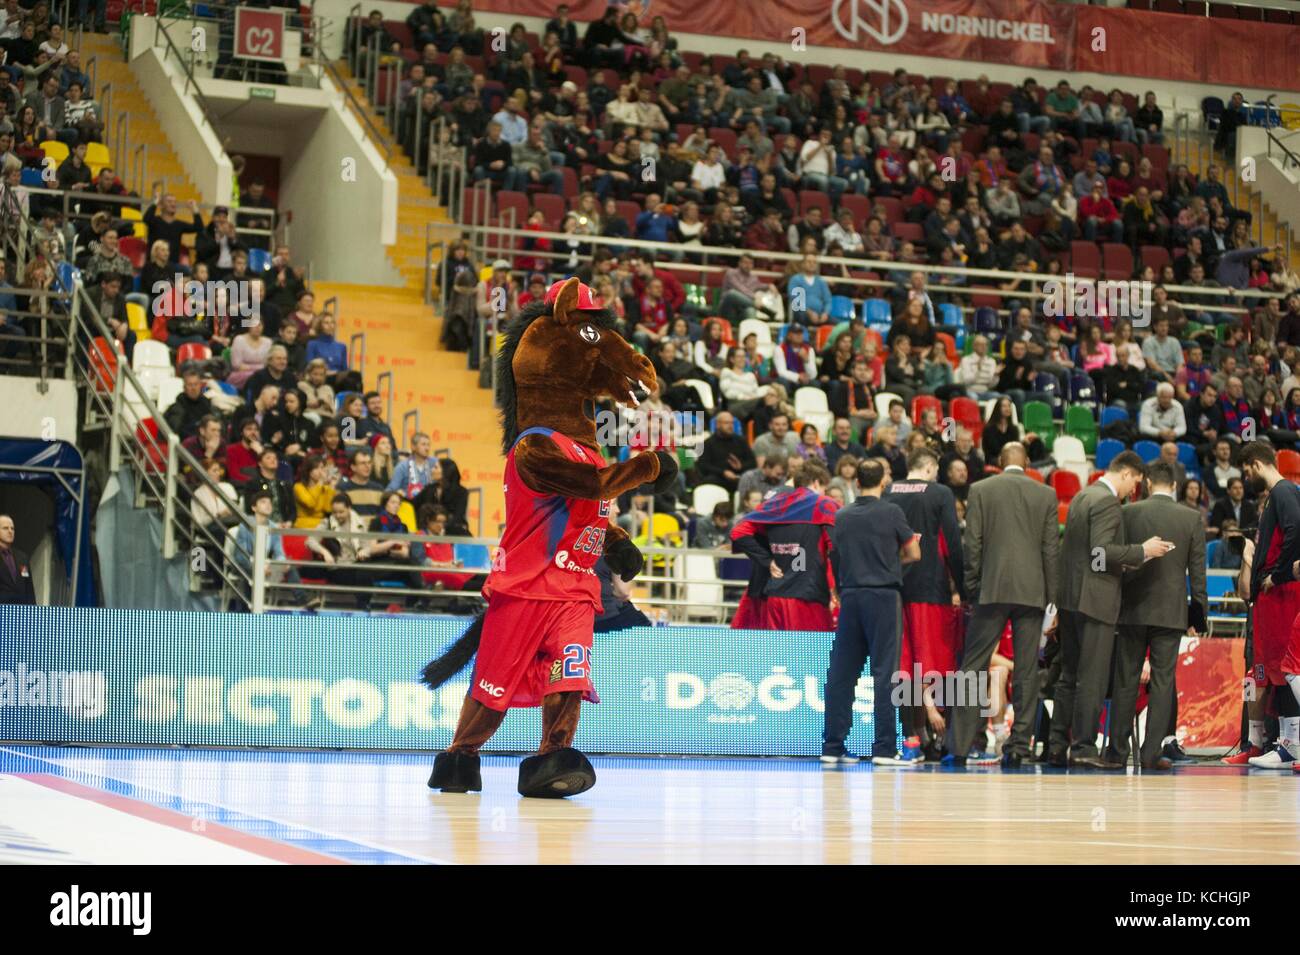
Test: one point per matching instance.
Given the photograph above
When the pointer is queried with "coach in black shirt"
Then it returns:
(870, 543)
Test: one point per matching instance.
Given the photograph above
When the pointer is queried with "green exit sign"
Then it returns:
(261, 92)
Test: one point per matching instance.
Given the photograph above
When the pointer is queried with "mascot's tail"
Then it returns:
(455, 658)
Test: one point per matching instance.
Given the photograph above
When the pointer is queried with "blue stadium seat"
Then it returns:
(875, 311)
(1111, 415)
(259, 260)
(69, 275)
(841, 308)
(473, 556)
(32, 177)
(1107, 448)
(1211, 548)
(987, 321)
(1188, 459)
(1148, 451)
(1082, 391)
(1218, 582)
(950, 314)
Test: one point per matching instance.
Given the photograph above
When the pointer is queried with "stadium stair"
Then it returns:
(145, 128)
(1230, 174)
(402, 336)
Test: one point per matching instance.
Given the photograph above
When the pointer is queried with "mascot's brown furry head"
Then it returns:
(560, 356)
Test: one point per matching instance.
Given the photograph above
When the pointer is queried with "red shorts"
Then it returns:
(932, 638)
(1277, 641)
(532, 648)
(789, 613)
(749, 615)
(1006, 646)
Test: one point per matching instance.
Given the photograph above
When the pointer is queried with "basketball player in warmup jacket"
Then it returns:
(1275, 592)
(932, 591)
(790, 535)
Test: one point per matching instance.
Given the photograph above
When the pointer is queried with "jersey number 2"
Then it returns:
(575, 662)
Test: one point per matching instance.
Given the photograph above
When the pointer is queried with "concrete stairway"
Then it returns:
(162, 163)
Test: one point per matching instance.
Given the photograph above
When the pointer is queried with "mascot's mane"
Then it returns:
(505, 369)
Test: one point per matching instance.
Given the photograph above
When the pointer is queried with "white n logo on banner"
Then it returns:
(885, 21)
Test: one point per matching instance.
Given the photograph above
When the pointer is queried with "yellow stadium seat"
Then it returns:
(406, 514)
(97, 154)
(1290, 115)
(137, 320)
(55, 150)
(139, 230)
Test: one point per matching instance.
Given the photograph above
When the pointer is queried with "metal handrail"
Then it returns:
(209, 115)
(877, 265)
(377, 136)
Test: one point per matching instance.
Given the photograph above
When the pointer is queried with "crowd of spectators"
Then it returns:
(609, 129)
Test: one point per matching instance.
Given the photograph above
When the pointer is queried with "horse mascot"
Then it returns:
(533, 643)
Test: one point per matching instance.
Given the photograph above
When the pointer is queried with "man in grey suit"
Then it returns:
(1094, 556)
(1010, 545)
(1154, 614)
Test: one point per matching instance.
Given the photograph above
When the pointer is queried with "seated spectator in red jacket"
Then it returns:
(1100, 218)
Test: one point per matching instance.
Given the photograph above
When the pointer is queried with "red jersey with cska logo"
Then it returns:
(551, 544)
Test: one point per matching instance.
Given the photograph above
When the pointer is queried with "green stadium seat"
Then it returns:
(1038, 419)
(1079, 423)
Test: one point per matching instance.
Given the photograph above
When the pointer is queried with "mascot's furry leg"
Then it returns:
(558, 769)
(456, 769)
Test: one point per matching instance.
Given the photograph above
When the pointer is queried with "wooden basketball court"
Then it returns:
(352, 807)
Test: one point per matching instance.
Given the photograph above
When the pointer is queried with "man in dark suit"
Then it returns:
(1233, 505)
(1154, 614)
(15, 574)
(1094, 555)
(1011, 552)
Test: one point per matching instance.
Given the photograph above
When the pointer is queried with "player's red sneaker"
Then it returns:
(1244, 757)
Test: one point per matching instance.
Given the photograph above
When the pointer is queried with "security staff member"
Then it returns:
(15, 574)
(870, 542)
(1094, 555)
(1011, 551)
(1154, 615)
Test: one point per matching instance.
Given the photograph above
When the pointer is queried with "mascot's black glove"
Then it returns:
(624, 558)
(667, 472)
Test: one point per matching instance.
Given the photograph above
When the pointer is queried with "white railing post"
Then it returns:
(169, 501)
(258, 595)
(115, 425)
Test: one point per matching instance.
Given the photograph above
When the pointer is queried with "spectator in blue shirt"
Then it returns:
(334, 353)
(514, 127)
(653, 225)
(416, 472)
(808, 289)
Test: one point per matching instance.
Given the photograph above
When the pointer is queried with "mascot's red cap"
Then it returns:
(586, 301)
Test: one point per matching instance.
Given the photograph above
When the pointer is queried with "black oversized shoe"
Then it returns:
(456, 773)
(554, 775)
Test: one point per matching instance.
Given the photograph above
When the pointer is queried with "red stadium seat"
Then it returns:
(1117, 260)
(860, 206)
(726, 138)
(1066, 484)
(517, 201)
(921, 402)
(949, 347)
(552, 207)
(907, 231)
(810, 198)
(893, 208)
(1156, 256)
(1084, 259)
(629, 211)
(192, 351)
(137, 250)
(103, 363)
(1035, 474)
(477, 205)
(823, 335)
(1288, 462)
